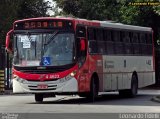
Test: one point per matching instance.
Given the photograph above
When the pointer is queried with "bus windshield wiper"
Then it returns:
(51, 38)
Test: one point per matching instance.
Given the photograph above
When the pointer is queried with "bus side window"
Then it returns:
(99, 34)
(109, 44)
(108, 35)
(143, 44)
(119, 46)
(92, 40)
(126, 37)
(81, 31)
(149, 38)
(116, 36)
(134, 38)
(142, 38)
(81, 34)
(135, 41)
(149, 43)
(100, 42)
(90, 34)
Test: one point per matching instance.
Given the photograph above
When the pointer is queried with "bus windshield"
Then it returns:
(44, 49)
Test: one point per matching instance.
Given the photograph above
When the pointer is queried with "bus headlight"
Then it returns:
(68, 77)
(21, 80)
(73, 73)
(14, 76)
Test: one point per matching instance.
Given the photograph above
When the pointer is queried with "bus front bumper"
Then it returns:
(58, 86)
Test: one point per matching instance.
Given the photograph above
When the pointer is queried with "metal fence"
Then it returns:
(2, 81)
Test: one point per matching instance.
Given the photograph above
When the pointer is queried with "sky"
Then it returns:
(51, 4)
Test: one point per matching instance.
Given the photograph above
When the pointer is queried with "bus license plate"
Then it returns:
(42, 86)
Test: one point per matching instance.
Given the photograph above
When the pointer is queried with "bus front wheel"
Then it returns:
(94, 88)
(93, 93)
(39, 97)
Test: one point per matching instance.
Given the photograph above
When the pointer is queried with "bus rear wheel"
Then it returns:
(132, 92)
(134, 86)
(39, 98)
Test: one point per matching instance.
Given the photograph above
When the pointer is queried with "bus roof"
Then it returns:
(106, 24)
(124, 26)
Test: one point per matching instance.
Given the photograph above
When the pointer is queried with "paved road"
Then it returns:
(110, 103)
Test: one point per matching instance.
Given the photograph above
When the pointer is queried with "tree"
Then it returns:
(157, 9)
(33, 8)
(8, 13)
(11, 10)
(89, 9)
(116, 10)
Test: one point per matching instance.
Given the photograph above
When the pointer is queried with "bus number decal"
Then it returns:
(55, 76)
(148, 62)
(109, 64)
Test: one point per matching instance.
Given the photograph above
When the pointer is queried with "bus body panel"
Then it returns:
(55, 82)
(96, 66)
(118, 71)
(43, 77)
(40, 87)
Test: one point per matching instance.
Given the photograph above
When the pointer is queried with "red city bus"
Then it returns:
(54, 56)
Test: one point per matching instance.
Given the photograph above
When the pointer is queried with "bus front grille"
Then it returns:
(43, 89)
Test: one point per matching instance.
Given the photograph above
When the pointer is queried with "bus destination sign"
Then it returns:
(25, 25)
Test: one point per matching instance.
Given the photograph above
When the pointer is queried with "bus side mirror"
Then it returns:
(82, 44)
(8, 41)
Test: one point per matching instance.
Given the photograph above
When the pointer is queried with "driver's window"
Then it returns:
(81, 31)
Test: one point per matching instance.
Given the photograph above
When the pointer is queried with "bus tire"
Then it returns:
(134, 86)
(132, 92)
(94, 88)
(39, 97)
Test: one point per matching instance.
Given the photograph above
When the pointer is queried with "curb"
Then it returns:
(156, 99)
(10, 92)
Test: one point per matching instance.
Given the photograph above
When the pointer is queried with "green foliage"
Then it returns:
(7, 16)
(89, 9)
(137, 15)
(115, 10)
(32, 8)
(157, 9)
